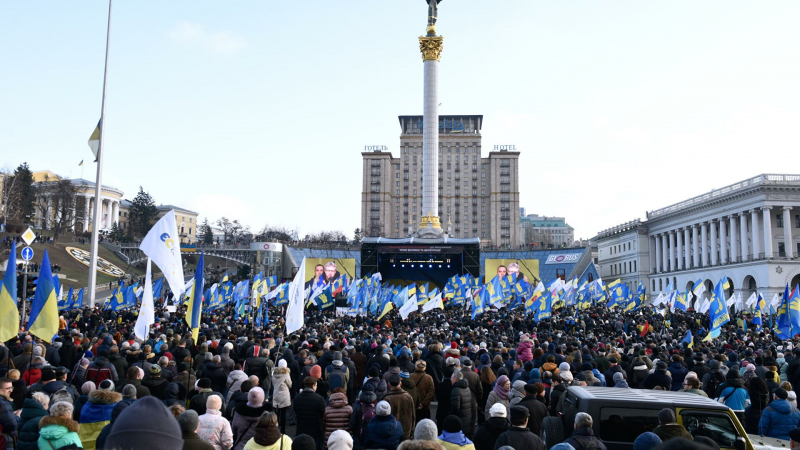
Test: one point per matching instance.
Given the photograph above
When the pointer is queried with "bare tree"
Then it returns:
(55, 201)
(278, 233)
(233, 231)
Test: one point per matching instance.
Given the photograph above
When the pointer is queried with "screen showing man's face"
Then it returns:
(318, 271)
(513, 270)
(501, 271)
(330, 272)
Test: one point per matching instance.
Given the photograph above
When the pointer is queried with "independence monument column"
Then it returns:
(431, 47)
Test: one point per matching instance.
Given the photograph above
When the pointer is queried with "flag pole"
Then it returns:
(98, 183)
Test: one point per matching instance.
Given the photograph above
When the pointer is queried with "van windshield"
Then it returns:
(718, 427)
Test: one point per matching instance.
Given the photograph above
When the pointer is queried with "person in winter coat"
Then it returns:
(678, 372)
(779, 417)
(128, 397)
(379, 385)
(363, 412)
(549, 365)
(669, 428)
(452, 437)
(384, 431)
(519, 437)
(58, 429)
(234, 382)
(734, 395)
(659, 377)
(759, 397)
(246, 417)
(68, 354)
(496, 425)
(281, 397)
(499, 394)
(583, 437)
(524, 349)
(33, 409)
(268, 436)
(639, 373)
(462, 404)
(213, 371)
(425, 389)
(174, 394)
(337, 414)
(309, 408)
(96, 413)
(517, 393)
(189, 422)
(213, 428)
(537, 411)
(434, 364)
(619, 380)
(402, 405)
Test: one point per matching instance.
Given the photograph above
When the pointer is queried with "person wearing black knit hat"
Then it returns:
(147, 423)
(668, 427)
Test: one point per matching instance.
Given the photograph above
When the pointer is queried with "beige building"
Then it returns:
(478, 197)
(184, 218)
(84, 203)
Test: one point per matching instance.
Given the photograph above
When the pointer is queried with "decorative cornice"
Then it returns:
(431, 47)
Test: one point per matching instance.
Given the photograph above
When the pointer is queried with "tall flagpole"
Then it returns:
(99, 182)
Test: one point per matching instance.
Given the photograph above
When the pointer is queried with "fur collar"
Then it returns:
(280, 370)
(104, 397)
(65, 422)
(247, 411)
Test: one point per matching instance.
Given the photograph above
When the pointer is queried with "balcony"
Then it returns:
(376, 181)
(375, 164)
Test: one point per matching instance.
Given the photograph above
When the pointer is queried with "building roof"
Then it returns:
(537, 221)
(85, 182)
(176, 208)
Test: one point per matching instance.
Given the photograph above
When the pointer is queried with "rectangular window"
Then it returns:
(703, 423)
(483, 191)
(797, 221)
(779, 220)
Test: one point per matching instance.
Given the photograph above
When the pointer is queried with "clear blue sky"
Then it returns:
(258, 110)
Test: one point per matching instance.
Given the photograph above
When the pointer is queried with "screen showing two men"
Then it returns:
(501, 267)
(324, 271)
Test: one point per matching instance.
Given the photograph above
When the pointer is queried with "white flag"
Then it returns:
(294, 310)
(147, 312)
(776, 301)
(162, 244)
(435, 302)
(409, 307)
(705, 306)
(659, 300)
(752, 300)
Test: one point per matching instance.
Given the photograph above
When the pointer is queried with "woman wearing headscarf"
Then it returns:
(499, 394)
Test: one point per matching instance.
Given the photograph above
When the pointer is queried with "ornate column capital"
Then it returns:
(742, 214)
(753, 211)
(785, 208)
(431, 47)
(731, 217)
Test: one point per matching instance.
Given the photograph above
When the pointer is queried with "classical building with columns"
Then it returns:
(748, 232)
(84, 203)
(622, 252)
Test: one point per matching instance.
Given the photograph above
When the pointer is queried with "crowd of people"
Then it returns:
(436, 380)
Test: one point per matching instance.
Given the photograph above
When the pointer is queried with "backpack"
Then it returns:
(98, 374)
(61, 395)
(714, 381)
(336, 378)
(367, 414)
(583, 443)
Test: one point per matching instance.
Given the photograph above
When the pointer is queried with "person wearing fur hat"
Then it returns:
(58, 429)
(246, 417)
(281, 398)
(96, 413)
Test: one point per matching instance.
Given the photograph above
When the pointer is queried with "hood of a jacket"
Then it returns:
(497, 425)
(781, 406)
(389, 423)
(338, 400)
(54, 428)
(101, 397)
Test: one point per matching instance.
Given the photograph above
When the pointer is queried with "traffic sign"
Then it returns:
(27, 253)
(28, 236)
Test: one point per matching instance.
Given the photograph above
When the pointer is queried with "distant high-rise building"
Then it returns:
(545, 231)
(477, 196)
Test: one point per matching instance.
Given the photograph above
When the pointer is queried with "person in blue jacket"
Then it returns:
(383, 431)
(779, 417)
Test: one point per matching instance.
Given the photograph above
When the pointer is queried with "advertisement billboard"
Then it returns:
(326, 270)
(527, 267)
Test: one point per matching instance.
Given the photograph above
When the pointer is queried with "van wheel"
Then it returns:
(552, 431)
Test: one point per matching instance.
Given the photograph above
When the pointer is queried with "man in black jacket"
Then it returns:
(214, 372)
(309, 407)
(519, 437)
(68, 353)
(462, 404)
(537, 410)
(583, 437)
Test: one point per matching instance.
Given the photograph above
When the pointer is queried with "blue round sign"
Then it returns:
(27, 253)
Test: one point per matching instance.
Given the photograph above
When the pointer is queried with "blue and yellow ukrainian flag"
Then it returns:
(688, 339)
(78, 303)
(9, 314)
(195, 304)
(43, 322)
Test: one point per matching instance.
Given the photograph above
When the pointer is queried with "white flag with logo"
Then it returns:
(409, 307)
(147, 314)
(776, 301)
(163, 245)
(435, 302)
(294, 310)
(752, 300)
